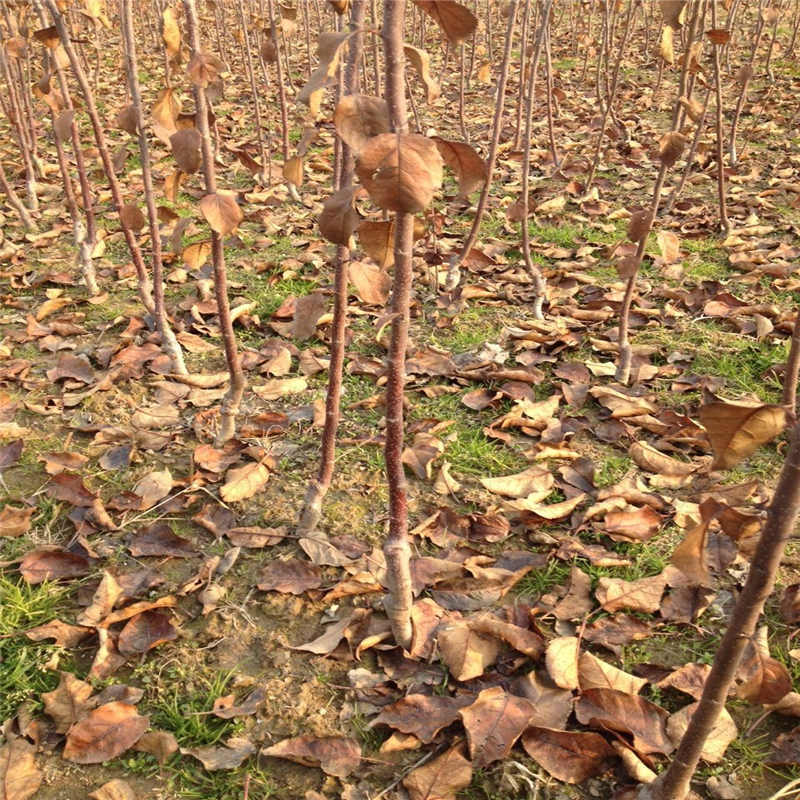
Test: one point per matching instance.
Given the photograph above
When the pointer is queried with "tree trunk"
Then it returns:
(397, 548)
(230, 405)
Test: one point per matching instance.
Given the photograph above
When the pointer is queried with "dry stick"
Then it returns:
(248, 56)
(723, 207)
(611, 96)
(674, 784)
(15, 118)
(143, 280)
(311, 511)
(792, 374)
(168, 341)
(232, 400)
(397, 548)
(453, 272)
(539, 285)
(15, 202)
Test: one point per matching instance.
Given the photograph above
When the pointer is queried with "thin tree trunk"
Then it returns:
(86, 251)
(453, 273)
(539, 285)
(611, 96)
(397, 548)
(675, 783)
(311, 511)
(143, 279)
(170, 344)
(230, 405)
(792, 374)
(15, 202)
(723, 207)
(248, 55)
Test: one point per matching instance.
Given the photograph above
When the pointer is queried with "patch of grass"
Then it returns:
(539, 581)
(371, 738)
(473, 453)
(188, 780)
(24, 674)
(180, 698)
(472, 328)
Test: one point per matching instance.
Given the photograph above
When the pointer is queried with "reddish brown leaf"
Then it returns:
(421, 715)
(442, 778)
(52, 565)
(20, 777)
(493, 723)
(146, 631)
(290, 577)
(335, 755)
(105, 733)
(569, 756)
(608, 709)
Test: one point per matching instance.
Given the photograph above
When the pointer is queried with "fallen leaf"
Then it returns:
(596, 674)
(290, 577)
(244, 482)
(617, 711)
(114, 790)
(644, 594)
(229, 756)
(722, 734)
(569, 756)
(104, 733)
(534, 484)
(335, 755)
(52, 565)
(764, 680)
(441, 779)
(68, 702)
(737, 430)
(20, 776)
(226, 708)
(421, 715)
(466, 652)
(15, 521)
(562, 661)
(493, 723)
(652, 460)
(146, 631)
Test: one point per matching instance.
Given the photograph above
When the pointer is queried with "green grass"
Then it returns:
(24, 675)
(178, 699)
(471, 329)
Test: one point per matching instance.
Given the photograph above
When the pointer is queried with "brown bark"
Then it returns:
(15, 202)
(792, 374)
(230, 405)
(168, 341)
(397, 548)
(539, 285)
(311, 511)
(723, 207)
